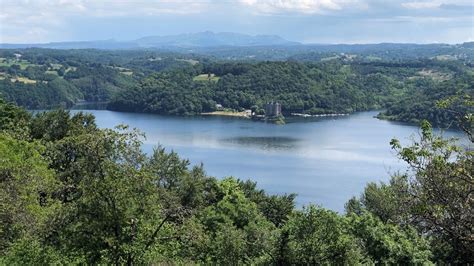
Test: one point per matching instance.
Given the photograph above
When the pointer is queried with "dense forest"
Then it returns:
(311, 88)
(42, 78)
(422, 103)
(300, 88)
(71, 193)
(163, 82)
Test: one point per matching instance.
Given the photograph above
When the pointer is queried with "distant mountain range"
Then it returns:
(190, 40)
(208, 39)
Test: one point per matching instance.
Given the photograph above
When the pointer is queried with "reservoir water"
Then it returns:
(325, 161)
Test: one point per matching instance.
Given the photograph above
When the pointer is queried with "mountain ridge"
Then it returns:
(209, 39)
(186, 40)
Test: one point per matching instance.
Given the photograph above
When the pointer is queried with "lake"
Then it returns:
(325, 161)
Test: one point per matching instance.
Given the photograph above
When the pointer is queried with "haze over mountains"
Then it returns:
(208, 38)
(189, 40)
(204, 40)
(236, 46)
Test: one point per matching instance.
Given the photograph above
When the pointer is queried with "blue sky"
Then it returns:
(308, 21)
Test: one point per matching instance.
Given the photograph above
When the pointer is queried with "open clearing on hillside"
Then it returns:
(23, 80)
(445, 57)
(10, 62)
(53, 72)
(123, 70)
(206, 77)
(191, 61)
(435, 75)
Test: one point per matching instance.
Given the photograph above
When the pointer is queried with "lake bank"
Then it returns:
(227, 113)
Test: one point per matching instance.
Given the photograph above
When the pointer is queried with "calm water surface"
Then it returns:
(325, 161)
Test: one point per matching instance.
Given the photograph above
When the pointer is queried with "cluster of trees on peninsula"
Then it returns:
(71, 193)
(172, 83)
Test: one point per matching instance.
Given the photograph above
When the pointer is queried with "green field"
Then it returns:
(205, 77)
(329, 58)
(191, 61)
(56, 66)
(23, 80)
(123, 70)
(53, 72)
(10, 62)
(373, 58)
(435, 75)
(445, 57)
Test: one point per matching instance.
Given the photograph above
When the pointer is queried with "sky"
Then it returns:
(307, 21)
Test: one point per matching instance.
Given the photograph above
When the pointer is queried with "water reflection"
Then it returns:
(265, 142)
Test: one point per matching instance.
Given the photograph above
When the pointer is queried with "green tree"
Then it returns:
(237, 216)
(26, 193)
(386, 201)
(441, 189)
(14, 119)
(386, 243)
(318, 236)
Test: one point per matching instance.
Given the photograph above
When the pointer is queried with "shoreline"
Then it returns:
(318, 115)
(225, 113)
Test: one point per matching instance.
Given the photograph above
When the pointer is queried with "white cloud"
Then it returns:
(105, 7)
(52, 20)
(421, 5)
(298, 6)
(435, 4)
(41, 20)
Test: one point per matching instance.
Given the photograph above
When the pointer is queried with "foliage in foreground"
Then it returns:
(71, 193)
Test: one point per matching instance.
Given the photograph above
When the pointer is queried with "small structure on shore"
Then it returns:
(272, 109)
(273, 113)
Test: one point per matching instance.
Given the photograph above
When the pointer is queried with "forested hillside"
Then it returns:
(71, 193)
(409, 90)
(189, 84)
(41, 81)
(300, 88)
(41, 78)
(422, 102)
